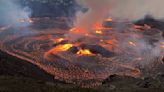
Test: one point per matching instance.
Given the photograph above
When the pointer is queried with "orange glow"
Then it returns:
(86, 34)
(112, 41)
(30, 20)
(75, 30)
(109, 19)
(162, 45)
(137, 26)
(101, 40)
(132, 43)
(83, 52)
(59, 40)
(78, 31)
(26, 20)
(109, 44)
(97, 28)
(57, 49)
(99, 32)
(60, 48)
(145, 26)
(64, 47)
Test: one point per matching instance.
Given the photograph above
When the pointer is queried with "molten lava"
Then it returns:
(83, 52)
(59, 40)
(98, 32)
(64, 47)
(98, 28)
(60, 48)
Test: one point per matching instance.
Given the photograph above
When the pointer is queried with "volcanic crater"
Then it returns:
(86, 59)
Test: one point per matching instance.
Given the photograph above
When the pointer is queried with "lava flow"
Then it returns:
(87, 58)
(82, 52)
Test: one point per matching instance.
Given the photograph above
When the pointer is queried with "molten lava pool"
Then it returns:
(87, 58)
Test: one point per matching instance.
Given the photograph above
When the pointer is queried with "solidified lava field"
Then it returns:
(37, 46)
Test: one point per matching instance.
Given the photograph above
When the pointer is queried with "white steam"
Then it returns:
(137, 9)
(118, 9)
(98, 10)
(11, 13)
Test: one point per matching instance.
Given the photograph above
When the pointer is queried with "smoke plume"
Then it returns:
(137, 9)
(97, 11)
(11, 12)
(131, 10)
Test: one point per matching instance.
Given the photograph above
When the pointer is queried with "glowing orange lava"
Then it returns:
(98, 28)
(99, 32)
(109, 19)
(57, 49)
(64, 47)
(162, 45)
(60, 48)
(83, 52)
(58, 40)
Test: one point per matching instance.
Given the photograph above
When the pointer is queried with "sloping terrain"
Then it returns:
(10, 65)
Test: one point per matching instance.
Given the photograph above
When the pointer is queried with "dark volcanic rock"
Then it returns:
(73, 50)
(158, 24)
(10, 65)
(146, 83)
(112, 79)
(96, 49)
(151, 22)
(131, 82)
